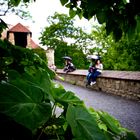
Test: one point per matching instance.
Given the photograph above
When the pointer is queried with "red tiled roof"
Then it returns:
(19, 28)
(33, 45)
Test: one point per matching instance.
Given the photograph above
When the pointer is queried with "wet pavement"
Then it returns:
(126, 111)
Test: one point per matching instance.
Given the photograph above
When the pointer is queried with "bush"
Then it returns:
(29, 103)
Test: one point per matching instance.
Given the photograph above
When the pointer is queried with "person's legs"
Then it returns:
(65, 69)
(89, 78)
(88, 75)
(94, 76)
(71, 68)
(68, 70)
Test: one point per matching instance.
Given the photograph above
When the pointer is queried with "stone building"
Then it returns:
(20, 35)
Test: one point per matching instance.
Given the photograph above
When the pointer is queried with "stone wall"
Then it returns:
(50, 56)
(11, 38)
(28, 40)
(121, 83)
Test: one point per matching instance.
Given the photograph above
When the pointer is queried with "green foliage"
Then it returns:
(100, 41)
(17, 7)
(24, 101)
(89, 127)
(3, 26)
(63, 2)
(60, 30)
(77, 55)
(64, 97)
(66, 40)
(121, 55)
(29, 100)
(114, 127)
(20, 59)
(41, 52)
(15, 2)
(32, 102)
(119, 16)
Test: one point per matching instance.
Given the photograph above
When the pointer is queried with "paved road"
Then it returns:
(126, 111)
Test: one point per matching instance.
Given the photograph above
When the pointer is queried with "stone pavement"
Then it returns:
(126, 111)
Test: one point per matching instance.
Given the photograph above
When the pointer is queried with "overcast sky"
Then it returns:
(39, 11)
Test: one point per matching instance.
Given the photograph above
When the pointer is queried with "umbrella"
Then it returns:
(95, 57)
(67, 57)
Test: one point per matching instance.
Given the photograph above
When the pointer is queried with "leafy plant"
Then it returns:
(121, 55)
(119, 16)
(38, 108)
(65, 39)
(33, 107)
(16, 7)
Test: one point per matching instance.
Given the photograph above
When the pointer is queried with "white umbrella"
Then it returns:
(93, 57)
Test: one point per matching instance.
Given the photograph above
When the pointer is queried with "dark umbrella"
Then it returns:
(67, 57)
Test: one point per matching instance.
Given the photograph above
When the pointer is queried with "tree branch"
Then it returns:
(5, 11)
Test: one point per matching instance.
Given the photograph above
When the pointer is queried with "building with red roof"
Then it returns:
(19, 28)
(33, 44)
(20, 35)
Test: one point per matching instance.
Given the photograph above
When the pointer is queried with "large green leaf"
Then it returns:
(115, 127)
(111, 122)
(83, 124)
(23, 102)
(39, 79)
(65, 97)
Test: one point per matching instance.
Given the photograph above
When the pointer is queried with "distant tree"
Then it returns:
(17, 7)
(100, 41)
(30, 99)
(65, 38)
(120, 16)
(62, 28)
(8, 6)
(78, 57)
(41, 52)
(121, 55)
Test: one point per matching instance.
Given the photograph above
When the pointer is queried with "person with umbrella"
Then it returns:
(69, 67)
(94, 70)
(97, 72)
(91, 69)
